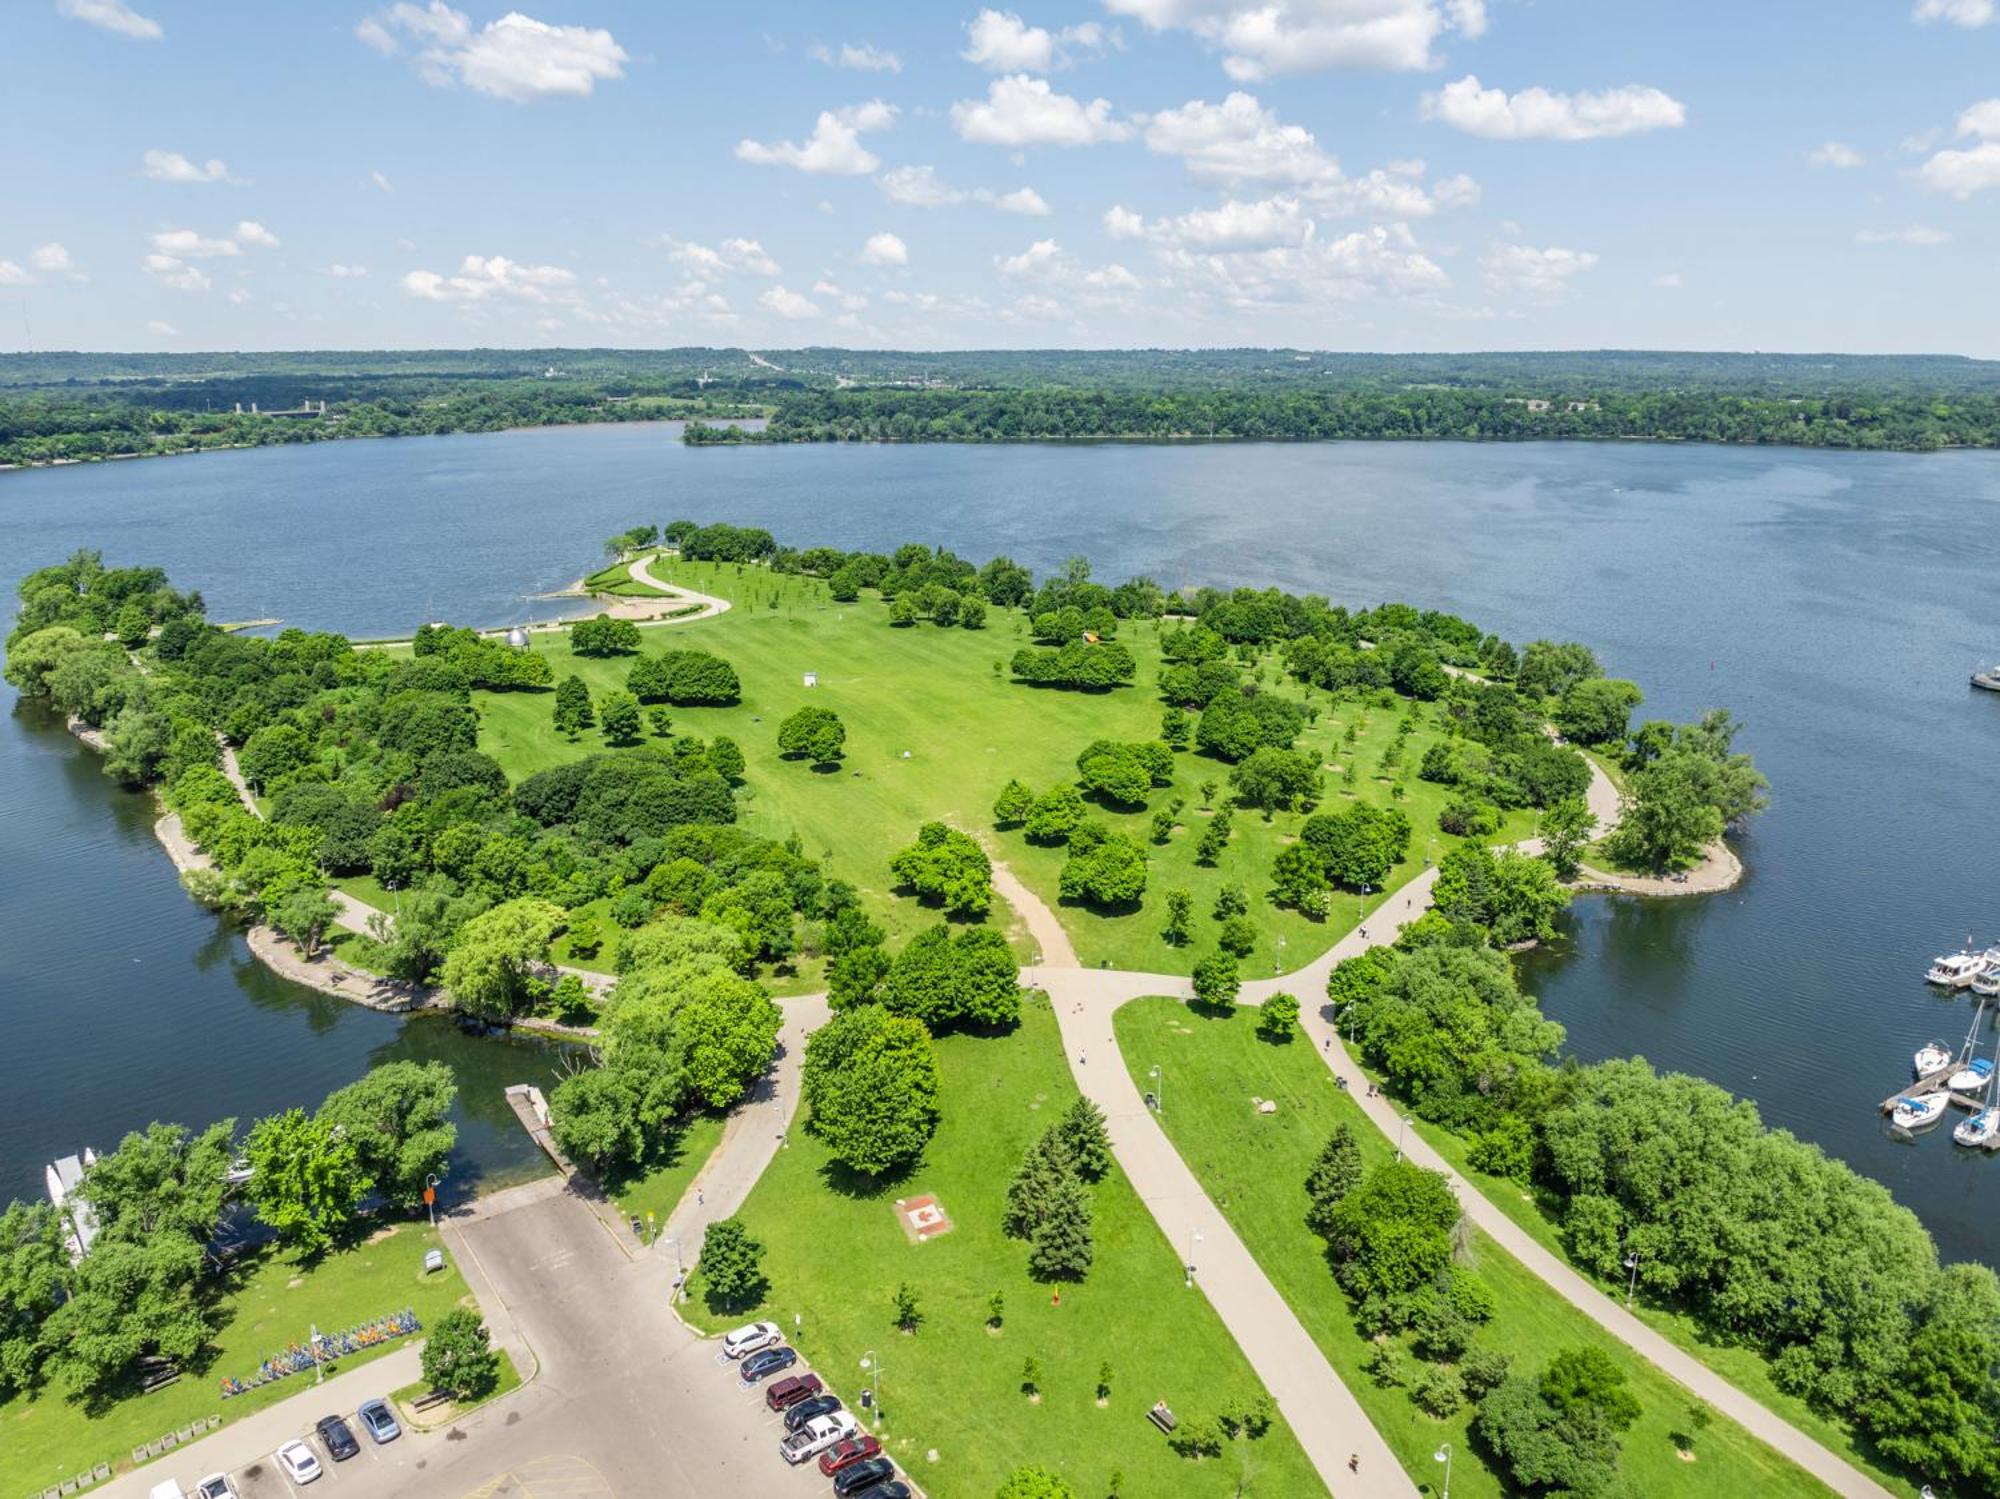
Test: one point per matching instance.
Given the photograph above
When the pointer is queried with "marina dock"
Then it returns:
(1935, 1084)
(533, 1112)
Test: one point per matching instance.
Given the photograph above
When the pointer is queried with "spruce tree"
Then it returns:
(1332, 1177)
(1089, 1143)
(1063, 1243)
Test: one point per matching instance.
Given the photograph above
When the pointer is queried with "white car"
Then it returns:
(750, 1338)
(297, 1459)
(216, 1486)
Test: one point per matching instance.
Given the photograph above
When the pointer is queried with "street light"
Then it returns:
(873, 1367)
(1402, 1123)
(312, 1342)
(1443, 1455)
(431, 1180)
(1159, 1093)
(680, 1275)
(1632, 1264)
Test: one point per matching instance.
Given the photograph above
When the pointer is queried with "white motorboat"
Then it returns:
(1920, 1111)
(1972, 1077)
(1956, 970)
(1988, 982)
(1932, 1056)
(1981, 1129)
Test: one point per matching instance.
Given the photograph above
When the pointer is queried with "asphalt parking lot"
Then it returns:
(626, 1403)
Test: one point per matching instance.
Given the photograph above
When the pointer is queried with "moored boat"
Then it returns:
(1920, 1111)
(1932, 1056)
(1955, 970)
(1981, 1129)
(1972, 1077)
(1987, 677)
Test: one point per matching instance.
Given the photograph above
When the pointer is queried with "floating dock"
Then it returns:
(1935, 1084)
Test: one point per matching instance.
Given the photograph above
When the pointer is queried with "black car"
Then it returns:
(892, 1488)
(770, 1361)
(864, 1476)
(805, 1410)
(340, 1443)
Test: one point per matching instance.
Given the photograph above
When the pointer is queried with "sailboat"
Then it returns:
(1983, 1128)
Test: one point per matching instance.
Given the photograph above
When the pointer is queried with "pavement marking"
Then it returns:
(558, 1476)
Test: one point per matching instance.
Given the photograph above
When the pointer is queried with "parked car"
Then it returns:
(818, 1434)
(297, 1459)
(863, 1476)
(751, 1337)
(770, 1361)
(888, 1488)
(216, 1486)
(856, 1449)
(789, 1392)
(805, 1410)
(167, 1488)
(379, 1421)
(338, 1436)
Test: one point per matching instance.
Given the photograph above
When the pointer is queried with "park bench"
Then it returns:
(425, 1402)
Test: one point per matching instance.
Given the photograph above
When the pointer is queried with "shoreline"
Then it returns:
(1719, 870)
(323, 972)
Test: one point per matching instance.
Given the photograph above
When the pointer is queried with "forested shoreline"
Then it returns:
(58, 408)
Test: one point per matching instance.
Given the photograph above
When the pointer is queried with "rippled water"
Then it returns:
(1835, 601)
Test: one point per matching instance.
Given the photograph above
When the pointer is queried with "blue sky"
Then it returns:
(1357, 174)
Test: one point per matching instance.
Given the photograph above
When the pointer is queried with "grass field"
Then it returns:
(1745, 1368)
(271, 1302)
(655, 1191)
(617, 580)
(935, 729)
(1254, 1167)
(836, 1254)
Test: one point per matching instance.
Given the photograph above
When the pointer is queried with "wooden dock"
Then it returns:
(533, 1112)
(1935, 1084)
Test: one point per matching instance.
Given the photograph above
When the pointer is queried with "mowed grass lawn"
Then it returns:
(835, 1255)
(935, 728)
(1254, 1167)
(1745, 1368)
(652, 1194)
(271, 1302)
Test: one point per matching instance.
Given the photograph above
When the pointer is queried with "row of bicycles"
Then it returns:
(324, 1348)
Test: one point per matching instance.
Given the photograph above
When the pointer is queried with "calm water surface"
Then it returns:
(1835, 601)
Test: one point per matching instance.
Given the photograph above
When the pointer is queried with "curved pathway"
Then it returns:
(641, 569)
(1345, 1448)
(1085, 1000)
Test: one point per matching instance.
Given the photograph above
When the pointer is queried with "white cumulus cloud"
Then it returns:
(1023, 200)
(171, 270)
(112, 15)
(1023, 111)
(1534, 272)
(1002, 42)
(343, 272)
(1263, 38)
(250, 232)
(171, 166)
(1121, 222)
(485, 277)
(885, 249)
(789, 304)
(188, 244)
(1973, 169)
(862, 57)
(732, 256)
(52, 257)
(1835, 154)
(1967, 13)
(516, 57)
(922, 187)
(835, 145)
(11, 274)
(1538, 114)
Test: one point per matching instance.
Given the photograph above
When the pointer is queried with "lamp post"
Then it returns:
(431, 1180)
(872, 1366)
(1159, 1092)
(680, 1275)
(1443, 1455)
(312, 1342)
(1402, 1124)
(1632, 1284)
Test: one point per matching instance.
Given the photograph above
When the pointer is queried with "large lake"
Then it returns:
(1836, 602)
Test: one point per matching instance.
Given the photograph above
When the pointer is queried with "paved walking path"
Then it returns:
(1325, 1417)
